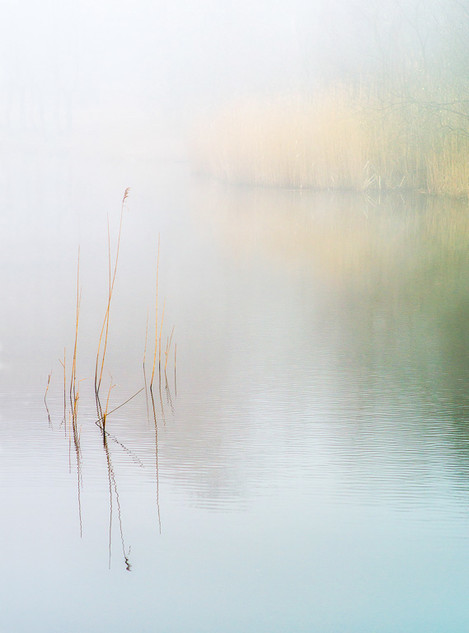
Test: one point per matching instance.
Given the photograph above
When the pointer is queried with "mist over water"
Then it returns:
(305, 467)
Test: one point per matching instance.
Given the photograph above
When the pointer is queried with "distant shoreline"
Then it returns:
(339, 140)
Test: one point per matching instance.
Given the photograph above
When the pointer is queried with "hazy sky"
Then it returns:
(145, 51)
(165, 55)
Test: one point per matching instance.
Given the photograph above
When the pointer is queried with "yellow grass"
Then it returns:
(342, 139)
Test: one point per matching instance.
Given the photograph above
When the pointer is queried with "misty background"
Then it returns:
(140, 70)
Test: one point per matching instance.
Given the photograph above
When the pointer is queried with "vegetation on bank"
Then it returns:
(345, 137)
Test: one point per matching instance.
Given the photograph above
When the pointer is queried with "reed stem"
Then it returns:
(156, 315)
(103, 336)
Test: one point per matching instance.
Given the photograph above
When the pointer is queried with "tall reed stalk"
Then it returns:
(155, 349)
(73, 377)
(103, 336)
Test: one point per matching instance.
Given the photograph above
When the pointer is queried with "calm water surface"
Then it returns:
(309, 466)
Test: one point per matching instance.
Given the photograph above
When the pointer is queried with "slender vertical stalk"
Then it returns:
(64, 365)
(111, 387)
(144, 368)
(103, 336)
(159, 343)
(73, 377)
(175, 374)
(156, 315)
(168, 348)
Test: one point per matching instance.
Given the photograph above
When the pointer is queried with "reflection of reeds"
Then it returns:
(113, 488)
(74, 396)
(157, 467)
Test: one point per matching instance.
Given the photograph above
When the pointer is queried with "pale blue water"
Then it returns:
(313, 458)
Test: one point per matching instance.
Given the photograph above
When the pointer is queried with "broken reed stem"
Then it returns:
(47, 388)
(45, 395)
(100, 357)
(156, 315)
(108, 413)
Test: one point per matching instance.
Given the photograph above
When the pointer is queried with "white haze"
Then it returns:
(76, 68)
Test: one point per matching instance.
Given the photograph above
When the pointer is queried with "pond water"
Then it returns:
(307, 467)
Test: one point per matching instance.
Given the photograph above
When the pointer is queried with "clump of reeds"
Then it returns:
(71, 386)
(342, 138)
(159, 372)
(160, 355)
